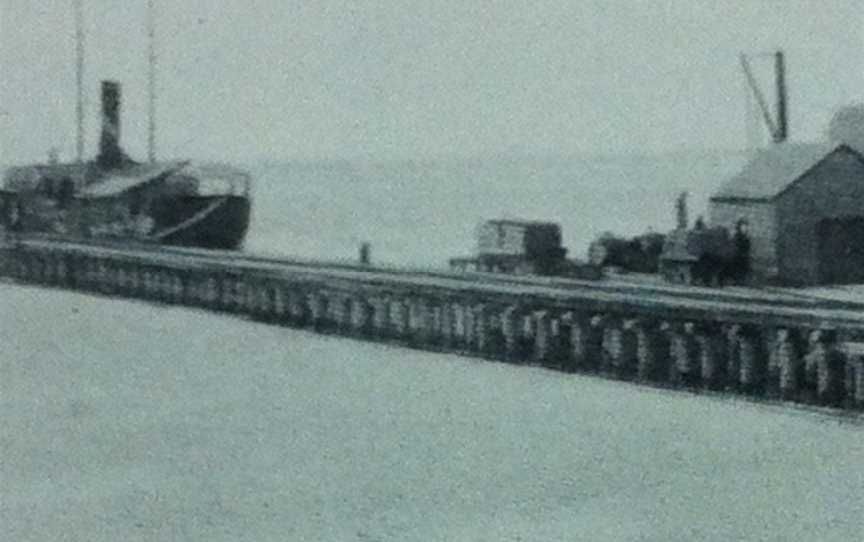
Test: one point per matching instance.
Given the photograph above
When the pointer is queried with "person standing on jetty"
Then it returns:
(741, 259)
(10, 222)
(365, 254)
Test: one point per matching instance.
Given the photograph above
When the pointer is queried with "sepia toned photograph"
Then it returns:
(431, 270)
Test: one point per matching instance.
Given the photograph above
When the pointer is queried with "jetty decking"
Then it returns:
(763, 344)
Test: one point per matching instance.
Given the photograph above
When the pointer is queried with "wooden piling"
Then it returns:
(752, 360)
(829, 366)
(593, 343)
(653, 350)
(361, 316)
(298, 309)
(858, 393)
(318, 306)
(542, 337)
(510, 331)
(684, 366)
(712, 353)
(788, 352)
(627, 361)
(421, 321)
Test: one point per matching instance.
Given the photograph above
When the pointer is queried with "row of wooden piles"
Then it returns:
(790, 363)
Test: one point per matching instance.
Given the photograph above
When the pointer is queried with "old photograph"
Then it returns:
(431, 270)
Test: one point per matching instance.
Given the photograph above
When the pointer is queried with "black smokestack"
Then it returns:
(782, 122)
(110, 153)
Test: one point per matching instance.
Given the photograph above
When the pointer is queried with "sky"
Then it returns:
(244, 80)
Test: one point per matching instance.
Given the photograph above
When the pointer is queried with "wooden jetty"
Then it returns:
(766, 345)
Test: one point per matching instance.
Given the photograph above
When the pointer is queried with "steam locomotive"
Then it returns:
(706, 256)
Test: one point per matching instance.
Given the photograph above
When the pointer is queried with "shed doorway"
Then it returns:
(841, 250)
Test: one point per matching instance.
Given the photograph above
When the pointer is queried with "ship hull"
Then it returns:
(216, 222)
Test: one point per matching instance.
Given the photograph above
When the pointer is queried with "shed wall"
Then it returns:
(834, 189)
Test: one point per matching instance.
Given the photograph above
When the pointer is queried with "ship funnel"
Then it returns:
(110, 153)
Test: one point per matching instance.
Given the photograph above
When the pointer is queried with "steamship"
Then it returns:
(115, 197)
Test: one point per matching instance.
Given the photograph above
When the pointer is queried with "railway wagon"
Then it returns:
(521, 247)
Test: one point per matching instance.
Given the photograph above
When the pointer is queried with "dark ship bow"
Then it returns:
(216, 222)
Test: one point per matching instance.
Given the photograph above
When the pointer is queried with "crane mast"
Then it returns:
(778, 128)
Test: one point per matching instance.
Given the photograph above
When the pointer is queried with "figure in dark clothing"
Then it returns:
(741, 260)
(65, 193)
(11, 214)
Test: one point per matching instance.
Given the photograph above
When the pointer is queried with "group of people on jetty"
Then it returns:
(726, 259)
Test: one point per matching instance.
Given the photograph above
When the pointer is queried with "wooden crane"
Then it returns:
(779, 127)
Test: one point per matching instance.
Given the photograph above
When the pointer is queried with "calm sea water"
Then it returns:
(133, 422)
(422, 213)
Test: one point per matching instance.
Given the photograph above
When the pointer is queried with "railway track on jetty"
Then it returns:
(759, 343)
(224, 259)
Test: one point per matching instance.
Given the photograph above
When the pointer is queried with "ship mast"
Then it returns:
(79, 79)
(151, 82)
